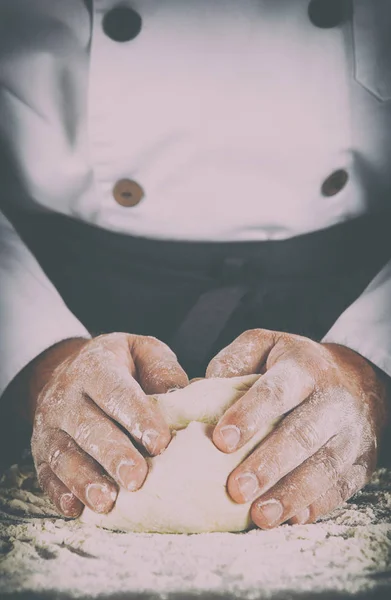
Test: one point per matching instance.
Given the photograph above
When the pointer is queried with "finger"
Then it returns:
(285, 385)
(102, 439)
(355, 479)
(296, 438)
(60, 495)
(77, 471)
(302, 517)
(113, 388)
(245, 356)
(302, 487)
(157, 366)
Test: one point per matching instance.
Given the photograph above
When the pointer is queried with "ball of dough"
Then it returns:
(185, 491)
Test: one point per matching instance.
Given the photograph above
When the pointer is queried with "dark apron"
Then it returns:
(197, 297)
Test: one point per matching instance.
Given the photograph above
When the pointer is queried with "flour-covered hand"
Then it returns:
(334, 408)
(91, 410)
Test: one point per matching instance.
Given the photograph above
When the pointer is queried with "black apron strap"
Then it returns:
(204, 324)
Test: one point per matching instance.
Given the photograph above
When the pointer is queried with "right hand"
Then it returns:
(93, 402)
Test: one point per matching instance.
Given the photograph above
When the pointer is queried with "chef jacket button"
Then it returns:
(128, 193)
(335, 183)
(329, 13)
(122, 24)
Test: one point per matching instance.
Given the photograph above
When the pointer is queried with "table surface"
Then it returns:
(44, 556)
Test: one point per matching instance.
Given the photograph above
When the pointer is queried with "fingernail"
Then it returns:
(126, 475)
(303, 517)
(271, 511)
(67, 504)
(149, 440)
(248, 486)
(231, 436)
(98, 496)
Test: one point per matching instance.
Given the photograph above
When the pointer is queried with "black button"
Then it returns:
(329, 13)
(122, 24)
(335, 183)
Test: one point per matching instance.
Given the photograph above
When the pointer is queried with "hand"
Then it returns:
(94, 399)
(326, 447)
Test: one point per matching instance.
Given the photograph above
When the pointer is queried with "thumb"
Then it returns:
(244, 356)
(158, 369)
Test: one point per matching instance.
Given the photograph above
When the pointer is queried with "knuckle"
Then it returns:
(254, 337)
(150, 339)
(124, 409)
(99, 356)
(115, 336)
(336, 500)
(108, 339)
(85, 434)
(89, 364)
(43, 475)
(267, 467)
(55, 456)
(219, 365)
(289, 340)
(217, 361)
(60, 453)
(118, 395)
(330, 463)
(306, 436)
(249, 334)
(328, 500)
(358, 476)
(308, 352)
(331, 499)
(91, 432)
(153, 344)
(273, 387)
(346, 489)
(158, 344)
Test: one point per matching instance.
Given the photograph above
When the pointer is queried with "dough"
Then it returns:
(185, 491)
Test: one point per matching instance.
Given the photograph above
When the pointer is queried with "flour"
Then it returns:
(40, 552)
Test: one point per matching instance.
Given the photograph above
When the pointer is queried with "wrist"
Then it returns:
(23, 392)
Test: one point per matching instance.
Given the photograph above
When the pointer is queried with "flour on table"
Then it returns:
(185, 491)
(44, 555)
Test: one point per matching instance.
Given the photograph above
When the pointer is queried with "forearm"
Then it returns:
(22, 393)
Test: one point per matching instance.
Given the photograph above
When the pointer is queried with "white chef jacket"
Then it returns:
(230, 116)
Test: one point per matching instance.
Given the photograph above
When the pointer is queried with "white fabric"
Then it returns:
(229, 115)
(366, 325)
(33, 316)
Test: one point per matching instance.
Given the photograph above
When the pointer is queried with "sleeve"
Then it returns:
(33, 316)
(365, 326)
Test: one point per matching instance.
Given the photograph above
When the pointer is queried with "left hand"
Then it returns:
(326, 447)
